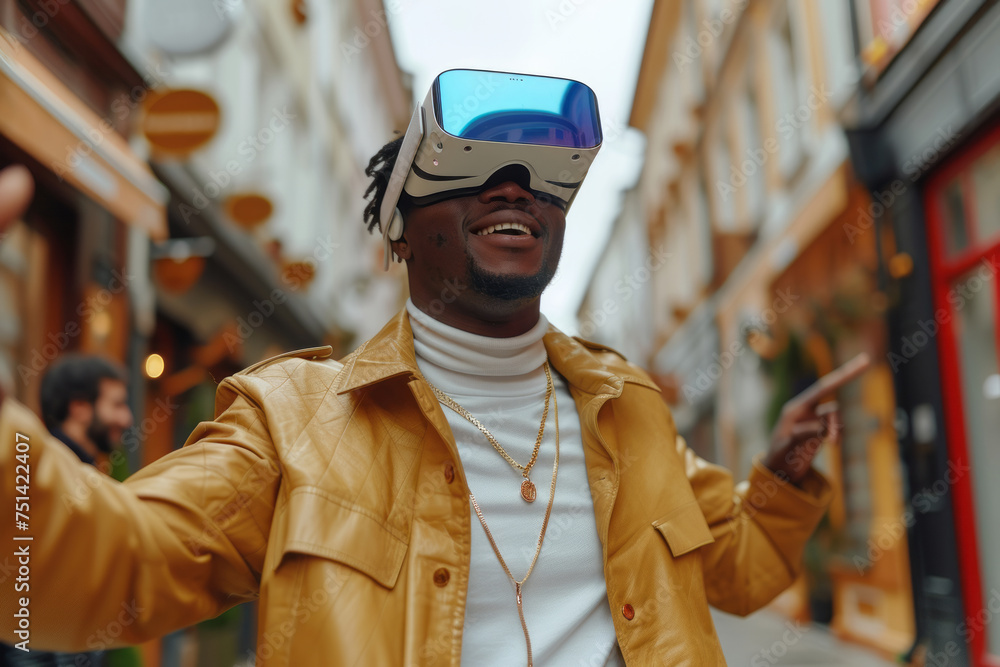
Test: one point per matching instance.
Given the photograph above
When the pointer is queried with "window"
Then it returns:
(969, 205)
(723, 203)
(840, 65)
(885, 27)
(752, 161)
(790, 116)
(704, 230)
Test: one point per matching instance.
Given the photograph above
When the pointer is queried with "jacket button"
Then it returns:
(628, 612)
(441, 577)
(449, 473)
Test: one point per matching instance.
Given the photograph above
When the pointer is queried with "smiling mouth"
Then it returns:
(507, 228)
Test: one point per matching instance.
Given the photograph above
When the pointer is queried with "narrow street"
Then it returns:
(282, 282)
(766, 638)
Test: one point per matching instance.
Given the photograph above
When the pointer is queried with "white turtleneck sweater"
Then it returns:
(501, 382)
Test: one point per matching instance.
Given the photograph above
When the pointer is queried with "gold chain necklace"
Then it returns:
(518, 585)
(528, 491)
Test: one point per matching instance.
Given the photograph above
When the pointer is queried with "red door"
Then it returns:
(963, 217)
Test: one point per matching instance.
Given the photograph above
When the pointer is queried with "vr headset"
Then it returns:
(474, 123)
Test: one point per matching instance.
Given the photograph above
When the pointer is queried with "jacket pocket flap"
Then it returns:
(684, 529)
(317, 524)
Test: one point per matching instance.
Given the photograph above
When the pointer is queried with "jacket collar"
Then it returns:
(390, 353)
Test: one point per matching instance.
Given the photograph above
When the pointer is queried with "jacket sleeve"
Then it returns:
(760, 528)
(111, 563)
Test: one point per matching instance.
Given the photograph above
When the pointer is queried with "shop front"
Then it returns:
(925, 141)
(73, 273)
(962, 202)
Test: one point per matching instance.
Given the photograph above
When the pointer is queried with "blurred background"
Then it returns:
(783, 184)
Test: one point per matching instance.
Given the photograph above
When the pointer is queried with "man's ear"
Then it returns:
(402, 249)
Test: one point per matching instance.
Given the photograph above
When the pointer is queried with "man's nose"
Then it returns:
(509, 191)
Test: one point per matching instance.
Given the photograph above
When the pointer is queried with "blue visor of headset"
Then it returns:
(516, 108)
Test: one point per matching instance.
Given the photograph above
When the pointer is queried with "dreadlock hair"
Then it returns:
(379, 169)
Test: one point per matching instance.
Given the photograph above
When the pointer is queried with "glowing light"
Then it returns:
(100, 326)
(154, 366)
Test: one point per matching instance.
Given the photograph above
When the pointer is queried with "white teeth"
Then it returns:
(504, 225)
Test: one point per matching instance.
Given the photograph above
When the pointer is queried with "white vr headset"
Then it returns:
(475, 122)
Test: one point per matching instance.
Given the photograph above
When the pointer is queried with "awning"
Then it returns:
(48, 121)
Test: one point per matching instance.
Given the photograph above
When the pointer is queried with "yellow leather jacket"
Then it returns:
(334, 493)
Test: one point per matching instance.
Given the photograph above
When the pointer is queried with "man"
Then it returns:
(85, 405)
(391, 508)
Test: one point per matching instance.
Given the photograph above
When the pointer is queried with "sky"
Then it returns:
(598, 43)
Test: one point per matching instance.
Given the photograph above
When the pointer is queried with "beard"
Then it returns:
(100, 435)
(509, 288)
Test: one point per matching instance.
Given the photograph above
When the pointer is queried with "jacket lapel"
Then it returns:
(388, 354)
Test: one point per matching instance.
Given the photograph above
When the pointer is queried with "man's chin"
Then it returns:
(509, 287)
(102, 439)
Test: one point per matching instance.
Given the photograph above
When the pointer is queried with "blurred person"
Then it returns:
(85, 405)
(384, 507)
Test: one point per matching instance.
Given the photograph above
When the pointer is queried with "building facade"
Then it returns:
(749, 192)
(924, 140)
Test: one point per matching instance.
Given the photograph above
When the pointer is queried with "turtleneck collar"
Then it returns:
(458, 361)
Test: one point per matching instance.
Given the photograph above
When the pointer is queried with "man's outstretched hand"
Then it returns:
(805, 423)
(16, 188)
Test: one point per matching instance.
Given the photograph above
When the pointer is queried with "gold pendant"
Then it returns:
(528, 491)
